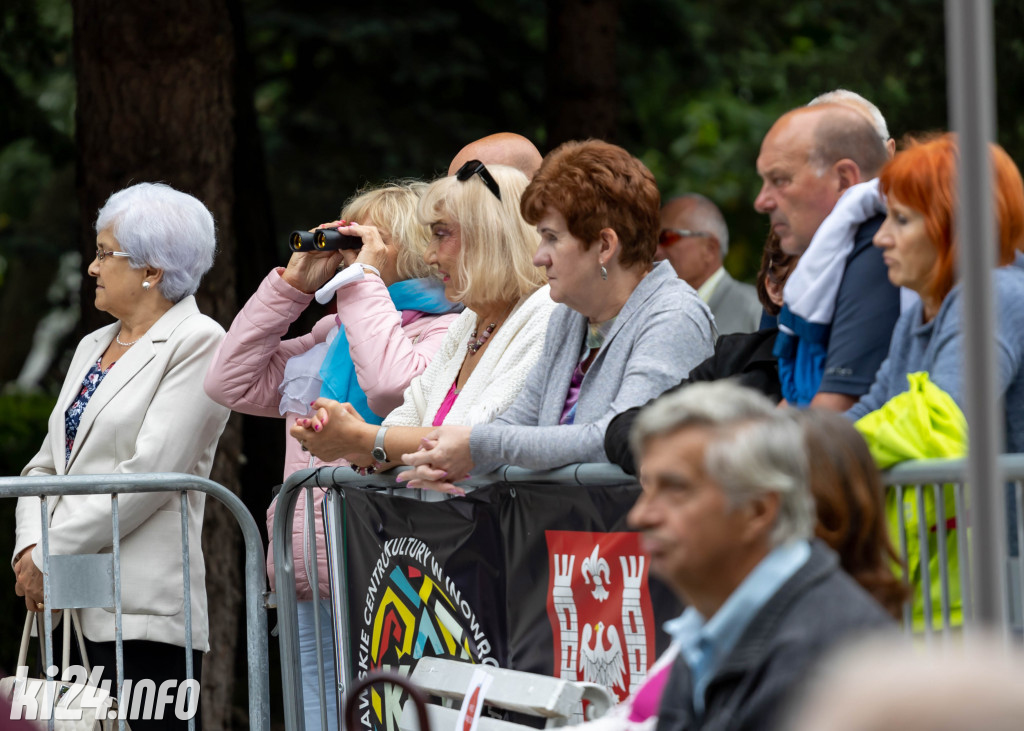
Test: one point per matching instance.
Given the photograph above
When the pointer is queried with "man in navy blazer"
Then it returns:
(727, 518)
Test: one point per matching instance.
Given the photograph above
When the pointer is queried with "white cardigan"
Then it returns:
(498, 377)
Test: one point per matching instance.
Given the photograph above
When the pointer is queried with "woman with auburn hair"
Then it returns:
(625, 329)
(482, 250)
(848, 496)
(920, 248)
(746, 357)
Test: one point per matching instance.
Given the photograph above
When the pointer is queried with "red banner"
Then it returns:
(600, 608)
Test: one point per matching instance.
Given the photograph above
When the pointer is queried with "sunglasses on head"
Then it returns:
(669, 236)
(475, 167)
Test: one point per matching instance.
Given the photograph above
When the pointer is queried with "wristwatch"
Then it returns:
(378, 452)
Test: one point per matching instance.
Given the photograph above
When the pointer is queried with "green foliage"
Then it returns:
(710, 78)
(22, 428)
(349, 94)
(36, 77)
(36, 122)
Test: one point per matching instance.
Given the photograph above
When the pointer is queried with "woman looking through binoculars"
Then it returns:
(392, 317)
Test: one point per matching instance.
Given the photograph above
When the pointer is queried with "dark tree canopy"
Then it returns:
(274, 113)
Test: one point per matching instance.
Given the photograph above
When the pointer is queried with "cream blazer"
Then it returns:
(149, 414)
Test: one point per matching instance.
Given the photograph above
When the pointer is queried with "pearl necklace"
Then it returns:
(123, 344)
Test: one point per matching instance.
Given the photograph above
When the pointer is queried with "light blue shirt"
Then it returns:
(704, 643)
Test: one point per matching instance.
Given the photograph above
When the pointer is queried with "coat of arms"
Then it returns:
(600, 608)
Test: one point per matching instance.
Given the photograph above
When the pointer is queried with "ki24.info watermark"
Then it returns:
(78, 695)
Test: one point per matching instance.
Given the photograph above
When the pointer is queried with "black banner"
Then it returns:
(543, 578)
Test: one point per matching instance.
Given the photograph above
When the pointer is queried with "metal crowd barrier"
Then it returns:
(931, 483)
(322, 479)
(915, 479)
(94, 580)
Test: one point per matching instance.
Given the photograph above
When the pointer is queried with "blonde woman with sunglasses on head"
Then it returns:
(482, 250)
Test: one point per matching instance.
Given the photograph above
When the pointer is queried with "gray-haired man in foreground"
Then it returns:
(727, 517)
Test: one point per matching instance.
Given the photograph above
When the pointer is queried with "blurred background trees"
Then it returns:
(274, 113)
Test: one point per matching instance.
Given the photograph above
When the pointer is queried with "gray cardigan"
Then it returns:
(662, 331)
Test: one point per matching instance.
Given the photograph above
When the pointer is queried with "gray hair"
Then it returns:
(844, 131)
(708, 217)
(756, 448)
(853, 99)
(161, 227)
(952, 687)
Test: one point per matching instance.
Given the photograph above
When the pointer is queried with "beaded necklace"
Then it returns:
(476, 343)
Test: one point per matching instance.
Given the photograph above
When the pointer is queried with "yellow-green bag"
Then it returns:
(924, 422)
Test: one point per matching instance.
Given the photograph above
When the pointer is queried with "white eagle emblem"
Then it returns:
(593, 568)
(602, 665)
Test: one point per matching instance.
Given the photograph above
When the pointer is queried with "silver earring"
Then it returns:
(145, 285)
(604, 273)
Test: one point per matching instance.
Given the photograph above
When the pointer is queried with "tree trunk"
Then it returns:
(582, 84)
(156, 103)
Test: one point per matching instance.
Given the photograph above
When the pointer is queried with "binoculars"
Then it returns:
(323, 239)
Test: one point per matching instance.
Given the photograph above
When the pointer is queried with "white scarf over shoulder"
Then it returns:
(811, 290)
(498, 377)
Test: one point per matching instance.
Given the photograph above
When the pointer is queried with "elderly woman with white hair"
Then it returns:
(133, 402)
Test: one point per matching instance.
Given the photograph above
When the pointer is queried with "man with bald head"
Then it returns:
(840, 307)
(502, 148)
(856, 101)
(695, 239)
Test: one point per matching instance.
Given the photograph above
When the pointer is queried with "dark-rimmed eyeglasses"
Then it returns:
(669, 236)
(475, 167)
(101, 254)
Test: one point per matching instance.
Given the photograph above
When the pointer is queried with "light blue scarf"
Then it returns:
(339, 373)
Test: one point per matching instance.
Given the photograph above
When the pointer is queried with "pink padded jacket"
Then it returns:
(249, 366)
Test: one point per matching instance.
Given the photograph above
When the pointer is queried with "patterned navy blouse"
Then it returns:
(73, 415)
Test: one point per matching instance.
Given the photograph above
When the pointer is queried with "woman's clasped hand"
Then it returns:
(340, 442)
(443, 457)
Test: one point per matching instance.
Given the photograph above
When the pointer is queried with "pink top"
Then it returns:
(573, 397)
(445, 406)
(648, 698)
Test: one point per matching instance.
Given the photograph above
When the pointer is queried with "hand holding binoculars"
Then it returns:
(323, 239)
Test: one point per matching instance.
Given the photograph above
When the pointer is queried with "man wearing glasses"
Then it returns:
(695, 239)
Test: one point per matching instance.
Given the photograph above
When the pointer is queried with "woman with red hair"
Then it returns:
(920, 248)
